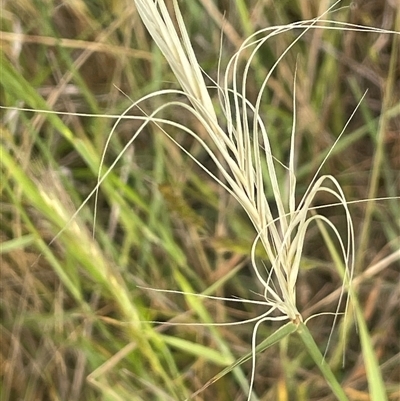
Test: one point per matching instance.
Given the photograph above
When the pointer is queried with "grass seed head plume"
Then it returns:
(244, 148)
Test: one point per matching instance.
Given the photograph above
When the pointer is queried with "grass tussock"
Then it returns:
(244, 175)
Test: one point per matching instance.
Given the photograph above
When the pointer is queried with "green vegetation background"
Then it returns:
(72, 312)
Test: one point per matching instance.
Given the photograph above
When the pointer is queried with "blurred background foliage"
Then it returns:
(72, 314)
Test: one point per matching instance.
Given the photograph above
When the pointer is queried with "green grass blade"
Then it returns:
(198, 350)
(318, 358)
(273, 339)
(376, 385)
(16, 243)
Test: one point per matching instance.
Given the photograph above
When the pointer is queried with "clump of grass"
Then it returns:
(94, 281)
